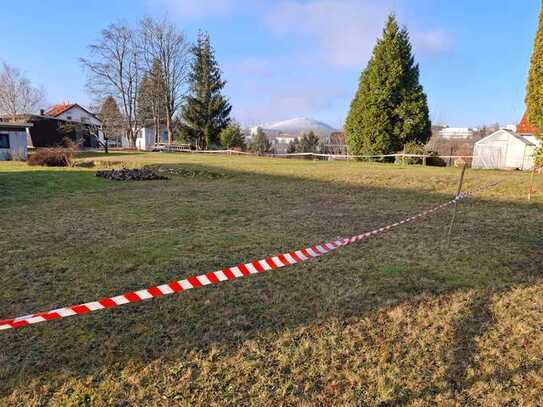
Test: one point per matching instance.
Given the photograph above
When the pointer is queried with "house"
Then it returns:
(72, 112)
(13, 141)
(525, 128)
(146, 137)
(505, 149)
(62, 121)
(457, 133)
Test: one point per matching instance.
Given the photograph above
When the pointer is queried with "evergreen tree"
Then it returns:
(309, 143)
(534, 95)
(260, 143)
(390, 107)
(206, 111)
(231, 136)
(293, 146)
(152, 98)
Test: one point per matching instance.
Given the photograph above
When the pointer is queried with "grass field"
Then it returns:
(402, 319)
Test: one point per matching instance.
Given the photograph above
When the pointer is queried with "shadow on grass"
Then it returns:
(111, 153)
(237, 218)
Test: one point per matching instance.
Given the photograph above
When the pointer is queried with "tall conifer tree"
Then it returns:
(534, 95)
(206, 111)
(390, 107)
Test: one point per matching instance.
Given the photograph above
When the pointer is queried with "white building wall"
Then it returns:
(77, 114)
(17, 145)
(146, 138)
(503, 150)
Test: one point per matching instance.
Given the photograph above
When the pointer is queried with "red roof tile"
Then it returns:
(525, 127)
(57, 110)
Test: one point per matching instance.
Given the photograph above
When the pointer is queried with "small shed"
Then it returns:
(13, 141)
(505, 149)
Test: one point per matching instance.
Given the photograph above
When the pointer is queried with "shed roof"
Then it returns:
(509, 132)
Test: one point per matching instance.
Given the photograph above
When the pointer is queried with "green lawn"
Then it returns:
(402, 319)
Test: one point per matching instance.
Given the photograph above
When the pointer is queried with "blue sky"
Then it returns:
(290, 58)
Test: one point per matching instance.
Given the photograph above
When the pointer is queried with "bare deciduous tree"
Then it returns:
(17, 94)
(162, 42)
(115, 69)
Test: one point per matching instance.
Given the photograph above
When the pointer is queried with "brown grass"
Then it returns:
(403, 319)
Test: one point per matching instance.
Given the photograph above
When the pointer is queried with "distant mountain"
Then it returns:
(301, 125)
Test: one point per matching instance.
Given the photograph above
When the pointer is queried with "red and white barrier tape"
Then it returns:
(231, 273)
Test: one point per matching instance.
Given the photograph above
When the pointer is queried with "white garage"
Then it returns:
(13, 141)
(505, 149)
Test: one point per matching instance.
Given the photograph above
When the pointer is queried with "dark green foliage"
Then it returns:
(232, 137)
(390, 107)
(414, 148)
(206, 111)
(309, 143)
(534, 95)
(538, 157)
(293, 146)
(260, 143)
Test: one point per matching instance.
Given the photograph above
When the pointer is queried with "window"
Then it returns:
(4, 140)
(69, 118)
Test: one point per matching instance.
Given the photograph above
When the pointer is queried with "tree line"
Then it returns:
(154, 74)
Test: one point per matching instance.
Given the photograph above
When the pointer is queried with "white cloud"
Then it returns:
(195, 8)
(344, 32)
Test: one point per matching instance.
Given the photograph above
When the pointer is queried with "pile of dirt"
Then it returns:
(130, 174)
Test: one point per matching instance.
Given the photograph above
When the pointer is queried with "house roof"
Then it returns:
(6, 125)
(525, 127)
(57, 110)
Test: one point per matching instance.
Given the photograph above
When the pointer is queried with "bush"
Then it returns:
(434, 160)
(232, 137)
(260, 143)
(412, 148)
(52, 157)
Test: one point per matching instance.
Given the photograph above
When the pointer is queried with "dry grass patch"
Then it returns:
(403, 319)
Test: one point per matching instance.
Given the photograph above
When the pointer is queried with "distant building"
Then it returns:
(62, 121)
(72, 112)
(457, 133)
(13, 145)
(525, 128)
(146, 137)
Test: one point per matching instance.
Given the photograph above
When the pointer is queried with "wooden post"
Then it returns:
(531, 186)
(458, 191)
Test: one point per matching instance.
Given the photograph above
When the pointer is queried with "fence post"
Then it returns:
(458, 191)
(424, 160)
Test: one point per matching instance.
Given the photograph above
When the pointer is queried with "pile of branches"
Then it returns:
(190, 172)
(130, 174)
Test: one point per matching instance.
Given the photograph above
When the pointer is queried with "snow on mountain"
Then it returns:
(299, 126)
